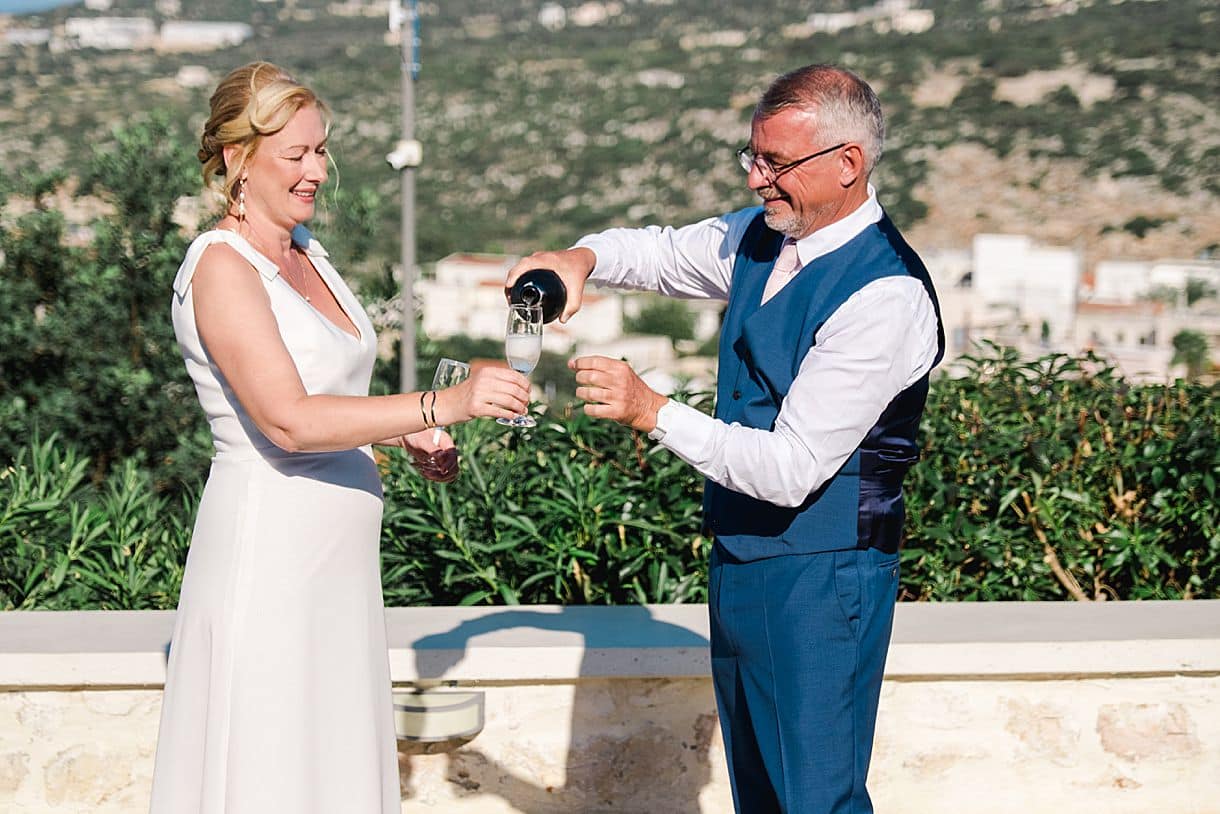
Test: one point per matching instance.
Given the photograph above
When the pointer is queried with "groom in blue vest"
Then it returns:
(831, 329)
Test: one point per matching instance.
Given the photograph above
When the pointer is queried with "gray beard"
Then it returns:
(793, 225)
(789, 226)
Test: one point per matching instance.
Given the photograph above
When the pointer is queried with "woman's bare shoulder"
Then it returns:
(223, 260)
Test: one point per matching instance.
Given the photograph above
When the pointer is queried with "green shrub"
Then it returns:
(66, 544)
(663, 317)
(573, 512)
(1040, 480)
(86, 346)
(1057, 479)
(1141, 225)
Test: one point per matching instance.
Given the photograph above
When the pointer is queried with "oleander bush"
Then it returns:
(67, 543)
(574, 511)
(1049, 479)
(1056, 479)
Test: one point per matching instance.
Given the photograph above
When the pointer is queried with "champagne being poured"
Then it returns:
(522, 347)
(540, 287)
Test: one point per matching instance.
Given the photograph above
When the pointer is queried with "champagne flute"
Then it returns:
(448, 373)
(522, 347)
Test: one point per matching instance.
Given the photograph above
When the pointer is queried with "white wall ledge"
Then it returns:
(529, 644)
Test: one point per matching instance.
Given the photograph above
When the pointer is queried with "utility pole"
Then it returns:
(407, 155)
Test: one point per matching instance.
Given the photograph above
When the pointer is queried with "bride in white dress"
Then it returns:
(278, 690)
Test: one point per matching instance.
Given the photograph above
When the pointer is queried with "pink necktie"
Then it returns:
(786, 265)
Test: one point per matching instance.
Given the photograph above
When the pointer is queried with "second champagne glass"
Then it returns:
(522, 347)
(448, 373)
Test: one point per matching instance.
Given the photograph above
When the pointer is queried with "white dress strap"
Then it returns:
(186, 272)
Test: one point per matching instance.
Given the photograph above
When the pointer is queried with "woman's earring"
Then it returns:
(241, 199)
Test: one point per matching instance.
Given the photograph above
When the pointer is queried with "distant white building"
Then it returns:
(1120, 318)
(950, 272)
(833, 22)
(1178, 273)
(193, 76)
(660, 78)
(111, 33)
(1125, 329)
(1038, 282)
(727, 38)
(1138, 337)
(136, 33)
(590, 14)
(552, 16)
(1007, 288)
(1128, 281)
(357, 8)
(1119, 282)
(914, 21)
(466, 297)
(27, 36)
(202, 36)
(884, 16)
(645, 353)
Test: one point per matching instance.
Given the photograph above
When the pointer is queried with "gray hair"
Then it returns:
(847, 108)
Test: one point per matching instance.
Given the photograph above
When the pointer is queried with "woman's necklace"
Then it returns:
(301, 282)
(302, 275)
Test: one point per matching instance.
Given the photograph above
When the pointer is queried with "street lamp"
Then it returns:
(406, 156)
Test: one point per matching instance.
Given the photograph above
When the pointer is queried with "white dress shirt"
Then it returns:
(874, 346)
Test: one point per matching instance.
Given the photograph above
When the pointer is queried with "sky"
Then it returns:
(26, 6)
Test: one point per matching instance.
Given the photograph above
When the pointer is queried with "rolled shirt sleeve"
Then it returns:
(878, 343)
(688, 262)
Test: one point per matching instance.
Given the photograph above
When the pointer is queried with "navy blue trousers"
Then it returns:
(798, 649)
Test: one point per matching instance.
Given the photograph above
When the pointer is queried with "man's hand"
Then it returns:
(613, 390)
(573, 267)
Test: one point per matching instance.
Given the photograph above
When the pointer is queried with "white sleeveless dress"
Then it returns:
(277, 697)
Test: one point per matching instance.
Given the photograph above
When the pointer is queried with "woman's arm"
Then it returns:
(239, 330)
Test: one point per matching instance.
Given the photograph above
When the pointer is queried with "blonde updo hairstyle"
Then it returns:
(251, 103)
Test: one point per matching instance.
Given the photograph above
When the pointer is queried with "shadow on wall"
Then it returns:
(634, 746)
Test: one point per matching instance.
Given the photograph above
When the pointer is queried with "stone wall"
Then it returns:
(1091, 746)
(82, 751)
(993, 709)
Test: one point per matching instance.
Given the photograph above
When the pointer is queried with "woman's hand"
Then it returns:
(490, 392)
(433, 454)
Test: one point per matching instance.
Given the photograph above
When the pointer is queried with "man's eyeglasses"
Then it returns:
(748, 160)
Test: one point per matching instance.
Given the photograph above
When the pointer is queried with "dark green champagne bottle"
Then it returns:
(540, 287)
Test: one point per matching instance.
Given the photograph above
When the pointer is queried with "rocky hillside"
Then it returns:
(1083, 122)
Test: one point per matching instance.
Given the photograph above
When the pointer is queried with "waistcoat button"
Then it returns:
(736, 395)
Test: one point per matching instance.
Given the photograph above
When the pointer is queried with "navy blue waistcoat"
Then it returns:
(761, 350)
